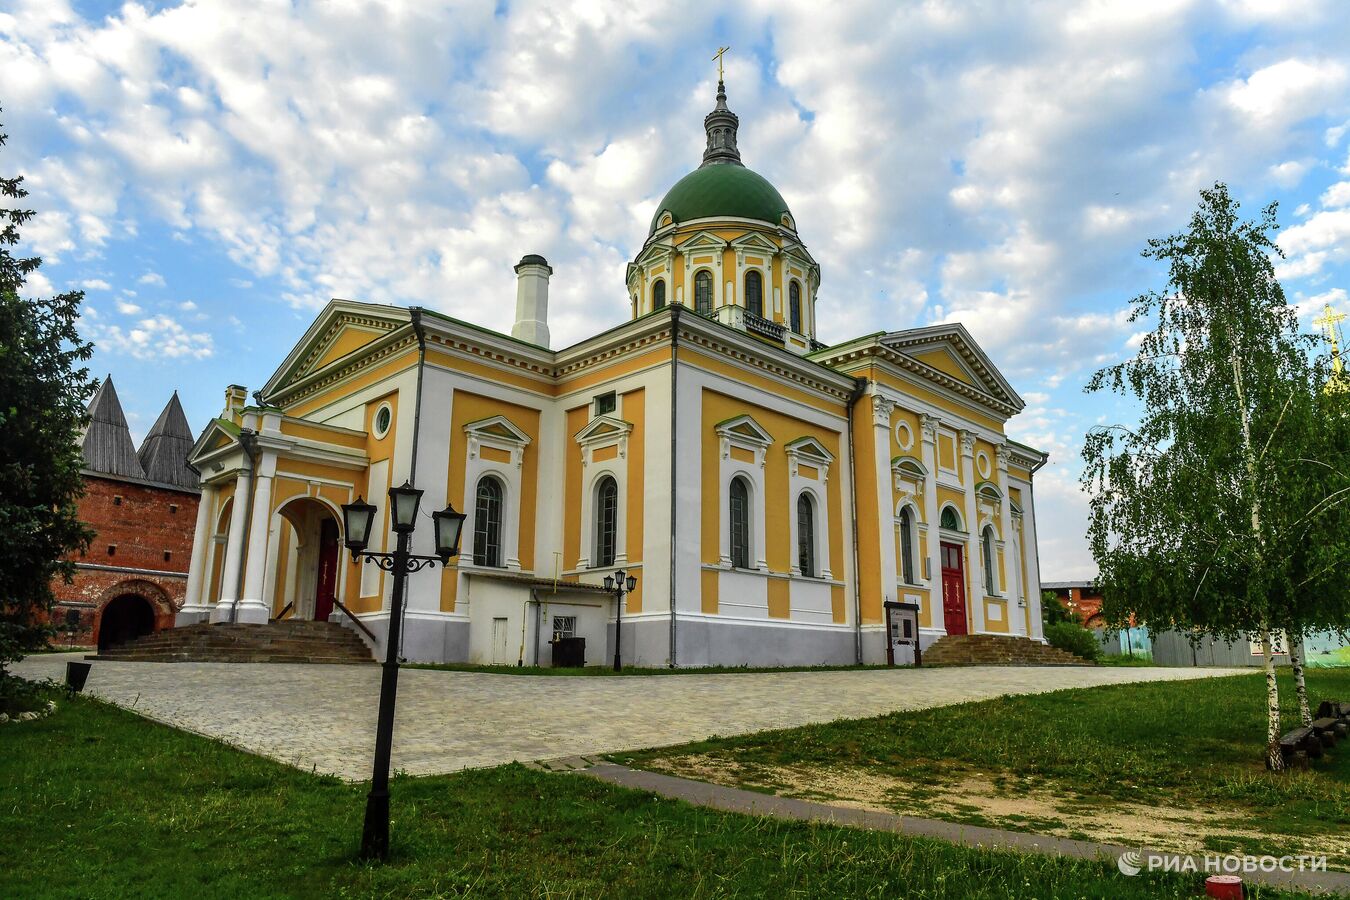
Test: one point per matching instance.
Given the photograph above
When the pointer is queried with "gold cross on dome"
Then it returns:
(1329, 318)
(717, 57)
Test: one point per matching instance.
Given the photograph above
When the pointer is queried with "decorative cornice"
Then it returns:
(875, 349)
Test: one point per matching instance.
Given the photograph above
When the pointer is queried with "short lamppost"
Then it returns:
(620, 583)
(357, 519)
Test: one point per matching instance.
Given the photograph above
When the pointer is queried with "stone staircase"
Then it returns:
(287, 641)
(996, 650)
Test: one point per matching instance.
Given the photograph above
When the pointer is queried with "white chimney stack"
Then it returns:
(532, 274)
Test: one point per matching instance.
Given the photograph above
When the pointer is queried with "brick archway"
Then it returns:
(155, 612)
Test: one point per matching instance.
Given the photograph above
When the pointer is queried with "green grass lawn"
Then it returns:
(96, 802)
(1194, 745)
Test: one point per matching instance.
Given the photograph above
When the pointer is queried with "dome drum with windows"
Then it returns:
(724, 243)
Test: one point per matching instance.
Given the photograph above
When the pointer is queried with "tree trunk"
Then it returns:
(1296, 660)
(1274, 759)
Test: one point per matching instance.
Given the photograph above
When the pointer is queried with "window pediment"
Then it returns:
(603, 432)
(807, 451)
(745, 433)
(499, 433)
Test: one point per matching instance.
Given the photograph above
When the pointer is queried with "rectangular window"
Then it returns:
(906, 549)
(606, 403)
(117, 500)
(564, 627)
(740, 525)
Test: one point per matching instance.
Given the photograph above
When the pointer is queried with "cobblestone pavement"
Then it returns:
(322, 717)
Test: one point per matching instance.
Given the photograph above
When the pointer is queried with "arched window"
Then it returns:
(659, 293)
(950, 520)
(487, 523)
(907, 546)
(606, 521)
(987, 552)
(806, 535)
(754, 294)
(703, 292)
(740, 523)
(795, 306)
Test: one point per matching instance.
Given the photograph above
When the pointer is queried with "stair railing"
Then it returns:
(285, 611)
(355, 621)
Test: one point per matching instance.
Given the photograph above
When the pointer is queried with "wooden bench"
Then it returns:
(1300, 745)
(1333, 709)
(1329, 730)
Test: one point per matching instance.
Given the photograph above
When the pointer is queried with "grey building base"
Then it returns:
(424, 640)
(704, 643)
(190, 618)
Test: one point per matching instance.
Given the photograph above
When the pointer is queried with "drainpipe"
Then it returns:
(248, 441)
(674, 422)
(416, 313)
(859, 388)
(1031, 495)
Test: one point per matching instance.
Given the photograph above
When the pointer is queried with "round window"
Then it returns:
(384, 417)
(982, 463)
(903, 435)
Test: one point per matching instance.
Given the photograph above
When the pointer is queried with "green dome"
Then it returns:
(722, 190)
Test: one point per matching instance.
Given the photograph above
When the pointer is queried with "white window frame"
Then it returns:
(497, 432)
(807, 451)
(745, 433)
(599, 433)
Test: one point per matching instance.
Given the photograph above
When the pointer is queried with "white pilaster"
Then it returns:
(253, 606)
(234, 550)
(1033, 563)
(975, 578)
(1011, 548)
(194, 604)
(928, 426)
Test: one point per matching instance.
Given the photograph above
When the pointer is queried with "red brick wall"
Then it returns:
(141, 523)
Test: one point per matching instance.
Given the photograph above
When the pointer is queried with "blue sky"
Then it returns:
(210, 173)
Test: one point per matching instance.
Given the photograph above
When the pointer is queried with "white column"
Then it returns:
(234, 550)
(928, 426)
(1033, 587)
(194, 604)
(253, 606)
(975, 580)
(881, 436)
(1011, 564)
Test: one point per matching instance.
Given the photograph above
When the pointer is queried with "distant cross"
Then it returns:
(1328, 321)
(717, 57)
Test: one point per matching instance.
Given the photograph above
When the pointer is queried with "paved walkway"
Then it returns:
(716, 796)
(322, 717)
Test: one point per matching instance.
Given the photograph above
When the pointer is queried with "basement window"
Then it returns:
(168, 554)
(173, 508)
(117, 499)
(112, 549)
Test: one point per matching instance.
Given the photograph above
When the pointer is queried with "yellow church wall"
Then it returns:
(349, 341)
(315, 432)
(933, 397)
(760, 382)
(946, 451)
(780, 598)
(345, 387)
(837, 603)
(593, 375)
(911, 420)
(576, 420)
(709, 580)
(1002, 625)
(635, 411)
(944, 362)
(284, 535)
(866, 513)
(492, 374)
(469, 407)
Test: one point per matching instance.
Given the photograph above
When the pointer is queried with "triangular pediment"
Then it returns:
(219, 434)
(746, 429)
(340, 331)
(656, 251)
(809, 448)
(949, 352)
(498, 427)
(602, 427)
(754, 241)
(703, 240)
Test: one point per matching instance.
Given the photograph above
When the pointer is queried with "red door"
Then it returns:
(327, 581)
(953, 589)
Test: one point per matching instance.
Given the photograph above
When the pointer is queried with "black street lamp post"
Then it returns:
(357, 519)
(620, 583)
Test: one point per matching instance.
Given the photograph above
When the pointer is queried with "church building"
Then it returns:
(769, 494)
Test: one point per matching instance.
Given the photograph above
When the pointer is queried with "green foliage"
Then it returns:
(43, 392)
(1074, 638)
(98, 802)
(1224, 508)
(1053, 609)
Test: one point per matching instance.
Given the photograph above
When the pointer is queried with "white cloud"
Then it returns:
(1292, 89)
(187, 306)
(127, 309)
(153, 278)
(95, 284)
(152, 339)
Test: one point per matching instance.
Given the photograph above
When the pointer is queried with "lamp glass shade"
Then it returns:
(356, 521)
(449, 528)
(403, 503)
(609, 582)
(631, 584)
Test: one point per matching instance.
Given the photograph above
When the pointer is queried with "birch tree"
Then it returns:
(1195, 510)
